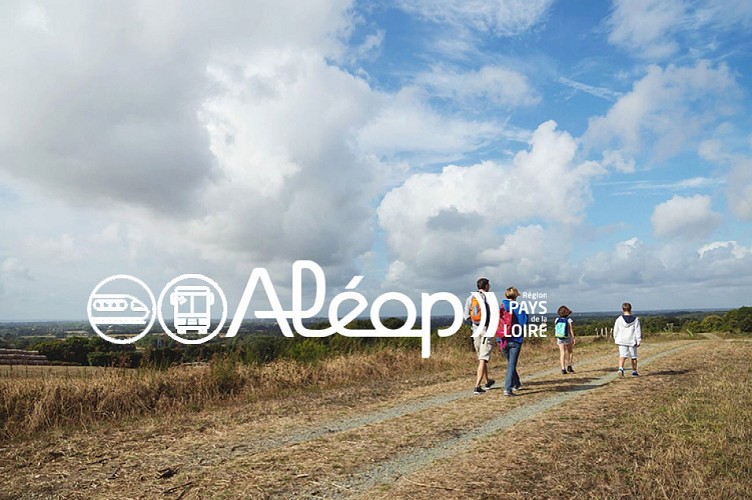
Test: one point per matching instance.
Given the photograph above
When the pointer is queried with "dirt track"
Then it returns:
(326, 445)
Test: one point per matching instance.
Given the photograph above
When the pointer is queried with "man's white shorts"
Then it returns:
(628, 351)
(483, 345)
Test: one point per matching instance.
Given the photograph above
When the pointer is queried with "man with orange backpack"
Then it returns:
(483, 345)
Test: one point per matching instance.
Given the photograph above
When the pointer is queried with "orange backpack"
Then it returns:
(475, 310)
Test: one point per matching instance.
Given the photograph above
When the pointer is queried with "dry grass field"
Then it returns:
(390, 425)
(44, 398)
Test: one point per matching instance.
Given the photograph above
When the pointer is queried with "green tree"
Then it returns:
(262, 350)
(711, 323)
(693, 326)
(739, 320)
(308, 351)
(72, 350)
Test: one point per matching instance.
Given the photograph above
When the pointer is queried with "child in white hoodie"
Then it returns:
(627, 335)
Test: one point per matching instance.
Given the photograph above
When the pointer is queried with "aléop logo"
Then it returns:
(124, 300)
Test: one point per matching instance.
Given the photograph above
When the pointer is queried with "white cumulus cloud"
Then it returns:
(407, 125)
(645, 27)
(451, 223)
(664, 110)
(686, 217)
(729, 248)
(101, 104)
(740, 189)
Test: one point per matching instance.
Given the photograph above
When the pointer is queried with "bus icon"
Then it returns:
(192, 308)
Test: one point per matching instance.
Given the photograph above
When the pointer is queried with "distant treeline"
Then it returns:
(259, 347)
(160, 351)
(735, 320)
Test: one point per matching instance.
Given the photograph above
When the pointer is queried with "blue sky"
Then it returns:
(594, 151)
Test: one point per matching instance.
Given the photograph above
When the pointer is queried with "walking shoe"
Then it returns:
(635, 374)
(478, 390)
(490, 383)
(509, 394)
(621, 371)
(563, 371)
(570, 369)
(517, 387)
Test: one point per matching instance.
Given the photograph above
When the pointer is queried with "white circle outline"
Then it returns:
(174, 335)
(138, 282)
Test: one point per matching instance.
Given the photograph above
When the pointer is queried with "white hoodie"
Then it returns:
(627, 330)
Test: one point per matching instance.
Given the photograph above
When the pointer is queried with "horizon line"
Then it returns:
(609, 312)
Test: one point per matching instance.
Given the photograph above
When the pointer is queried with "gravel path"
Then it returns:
(222, 454)
(390, 413)
(415, 460)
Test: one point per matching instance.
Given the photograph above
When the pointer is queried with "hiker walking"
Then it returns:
(483, 345)
(514, 321)
(564, 333)
(628, 336)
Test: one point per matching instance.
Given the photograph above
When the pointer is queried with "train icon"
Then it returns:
(192, 308)
(118, 309)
